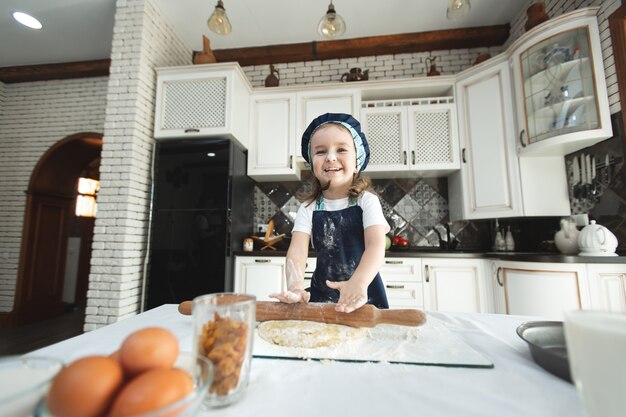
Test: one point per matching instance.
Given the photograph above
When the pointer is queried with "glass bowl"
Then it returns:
(27, 380)
(201, 371)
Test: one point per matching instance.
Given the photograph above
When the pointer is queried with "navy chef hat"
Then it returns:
(347, 121)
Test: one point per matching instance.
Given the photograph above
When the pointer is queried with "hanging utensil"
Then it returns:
(575, 171)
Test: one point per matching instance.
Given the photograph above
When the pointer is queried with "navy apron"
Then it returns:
(339, 243)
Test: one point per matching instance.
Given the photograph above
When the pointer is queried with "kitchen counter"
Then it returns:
(550, 257)
(515, 387)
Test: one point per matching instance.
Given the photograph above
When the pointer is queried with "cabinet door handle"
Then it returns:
(463, 156)
(192, 130)
(413, 157)
(521, 138)
(394, 287)
(291, 162)
(394, 262)
(262, 261)
(500, 283)
(404, 153)
(427, 273)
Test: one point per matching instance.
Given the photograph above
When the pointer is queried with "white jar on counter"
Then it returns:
(566, 239)
(596, 240)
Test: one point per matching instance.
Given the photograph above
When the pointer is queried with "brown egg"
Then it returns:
(150, 391)
(115, 355)
(146, 349)
(85, 388)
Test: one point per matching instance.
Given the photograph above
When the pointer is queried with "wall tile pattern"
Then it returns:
(413, 207)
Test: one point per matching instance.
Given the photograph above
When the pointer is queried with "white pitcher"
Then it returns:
(566, 239)
(596, 240)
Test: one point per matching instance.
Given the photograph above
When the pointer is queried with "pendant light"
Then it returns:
(218, 22)
(331, 24)
(458, 8)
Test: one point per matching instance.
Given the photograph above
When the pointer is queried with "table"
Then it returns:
(515, 387)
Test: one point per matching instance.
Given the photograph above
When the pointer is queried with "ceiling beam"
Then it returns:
(47, 72)
(484, 36)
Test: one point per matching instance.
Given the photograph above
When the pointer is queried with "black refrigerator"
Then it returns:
(202, 209)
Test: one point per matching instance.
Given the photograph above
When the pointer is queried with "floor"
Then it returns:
(23, 339)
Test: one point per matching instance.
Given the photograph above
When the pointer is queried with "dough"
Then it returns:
(307, 334)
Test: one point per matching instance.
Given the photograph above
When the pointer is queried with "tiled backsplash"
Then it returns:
(414, 207)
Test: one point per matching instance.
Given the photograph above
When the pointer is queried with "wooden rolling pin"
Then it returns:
(366, 316)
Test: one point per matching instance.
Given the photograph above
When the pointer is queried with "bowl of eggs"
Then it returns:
(146, 377)
(29, 379)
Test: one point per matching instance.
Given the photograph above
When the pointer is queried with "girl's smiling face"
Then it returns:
(333, 156)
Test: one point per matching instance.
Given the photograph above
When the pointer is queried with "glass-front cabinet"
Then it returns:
(560, 87)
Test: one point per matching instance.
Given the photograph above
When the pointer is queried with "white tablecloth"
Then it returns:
(516, 386)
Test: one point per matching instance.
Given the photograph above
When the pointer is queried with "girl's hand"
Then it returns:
(351, 295)
(291, 297)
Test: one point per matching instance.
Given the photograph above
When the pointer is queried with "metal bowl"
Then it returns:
(546, 341)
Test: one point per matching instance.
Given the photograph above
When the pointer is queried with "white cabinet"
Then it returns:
(607, 286)
(562, 101)
(202, 101)
(313, 103)
(408, 135)
(403, 282)
(437, 284)
(278, 120)
(493, 182)
(260, 275)
(488, 183)
(541, 289)
(456, 285)
(273, 146)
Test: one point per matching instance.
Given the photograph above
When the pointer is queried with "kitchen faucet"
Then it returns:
(448, 243)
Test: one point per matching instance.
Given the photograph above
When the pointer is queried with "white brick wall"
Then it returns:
(142, 41)
(33, 117)
(380, 67)
(557, 8)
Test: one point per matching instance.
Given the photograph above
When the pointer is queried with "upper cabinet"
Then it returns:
(560, 87)
(411, 129)
(202, 101)
(408, 138)
(273, 147)
(313, 103)
(488, 184)
(278, 118)
(493, 182)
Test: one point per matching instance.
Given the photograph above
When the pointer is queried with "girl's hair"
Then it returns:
(313, 189)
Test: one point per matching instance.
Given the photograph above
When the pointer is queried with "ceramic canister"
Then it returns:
(596, 240)
(566, 239)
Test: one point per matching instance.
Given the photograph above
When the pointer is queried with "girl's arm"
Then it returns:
(353, 292)
(294, 269)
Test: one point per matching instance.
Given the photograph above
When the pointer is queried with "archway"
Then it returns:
(49, 213)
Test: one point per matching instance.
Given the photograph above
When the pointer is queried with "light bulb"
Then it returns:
(218, 22)
(27, 20)
(458, 8)
(331, 24)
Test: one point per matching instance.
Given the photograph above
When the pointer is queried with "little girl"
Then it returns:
(343, 218)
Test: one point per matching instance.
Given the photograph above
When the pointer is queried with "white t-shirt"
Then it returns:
(369, 203)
